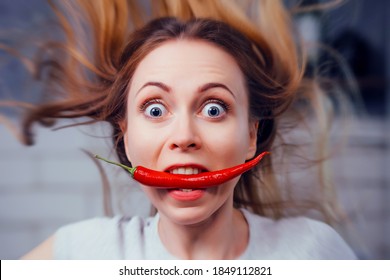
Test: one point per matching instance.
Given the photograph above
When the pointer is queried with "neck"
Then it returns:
(224, 235)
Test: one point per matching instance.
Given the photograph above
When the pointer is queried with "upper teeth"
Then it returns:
(185, 170)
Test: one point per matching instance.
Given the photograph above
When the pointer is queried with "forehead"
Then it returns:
(194, 60)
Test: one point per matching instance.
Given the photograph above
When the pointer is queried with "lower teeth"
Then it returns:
(186, 190)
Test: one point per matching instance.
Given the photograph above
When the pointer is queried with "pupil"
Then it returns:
(213, 111)
(156, 112)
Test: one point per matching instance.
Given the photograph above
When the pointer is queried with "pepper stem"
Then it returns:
(127, 168)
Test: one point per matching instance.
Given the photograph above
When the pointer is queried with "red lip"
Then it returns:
(179, 195)
(186, 196)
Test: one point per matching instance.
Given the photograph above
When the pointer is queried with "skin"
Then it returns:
(186, 77)
(182, 80)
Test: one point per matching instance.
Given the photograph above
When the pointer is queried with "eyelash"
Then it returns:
(148, 102)
(224, 105)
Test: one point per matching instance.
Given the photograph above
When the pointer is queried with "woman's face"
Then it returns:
(187, 112)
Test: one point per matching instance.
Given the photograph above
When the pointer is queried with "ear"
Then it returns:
(253, 127)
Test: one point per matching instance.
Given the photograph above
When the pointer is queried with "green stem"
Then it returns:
(127, 168)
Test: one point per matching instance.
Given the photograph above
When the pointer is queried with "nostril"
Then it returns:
(174, 146)
(184, 146)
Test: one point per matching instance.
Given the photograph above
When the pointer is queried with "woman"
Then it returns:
(188, 96)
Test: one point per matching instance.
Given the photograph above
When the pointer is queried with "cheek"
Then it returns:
(145, 141)
(152, 194)
(231, 138)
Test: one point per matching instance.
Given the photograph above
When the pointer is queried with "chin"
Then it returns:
(188, 216)
(192, 213)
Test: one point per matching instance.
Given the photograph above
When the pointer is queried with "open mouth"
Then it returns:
(186, 170)
(187, 190)
(186, 194)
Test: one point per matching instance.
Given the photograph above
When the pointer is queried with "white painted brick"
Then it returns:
(364, 166)
(48, 141)
(387, 234)
(372, 235)
(68, 171)
(368, 128)
(131, 202)
(15, 244)
(364, 235)
(93, 204)
(41, 205)
(363, 197)
(17, 238)
(18, 172)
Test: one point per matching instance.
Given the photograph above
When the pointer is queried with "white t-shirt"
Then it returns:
(138, 238)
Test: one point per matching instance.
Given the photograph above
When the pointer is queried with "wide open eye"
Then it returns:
(214, 109)
(155, 110)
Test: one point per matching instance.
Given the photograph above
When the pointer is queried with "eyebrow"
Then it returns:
(163, 86)
(208, 86)
(203, 88)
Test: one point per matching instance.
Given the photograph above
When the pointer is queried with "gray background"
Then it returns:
(54, 183)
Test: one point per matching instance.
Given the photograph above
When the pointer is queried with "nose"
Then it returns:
(184, 135)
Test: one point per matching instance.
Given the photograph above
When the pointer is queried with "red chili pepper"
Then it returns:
(166, 180)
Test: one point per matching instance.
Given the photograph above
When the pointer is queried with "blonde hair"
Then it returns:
(92, 66)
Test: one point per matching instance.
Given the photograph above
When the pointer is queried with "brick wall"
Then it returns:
(54, 183)
(363, 179)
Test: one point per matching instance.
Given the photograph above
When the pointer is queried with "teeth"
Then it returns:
(186, 190)
(189, 171)
(185, 171)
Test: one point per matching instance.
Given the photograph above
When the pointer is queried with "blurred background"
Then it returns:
(54, 182)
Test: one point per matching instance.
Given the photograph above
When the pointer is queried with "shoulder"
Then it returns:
(318, 239)
(297, 238)
(44, 251)
(97, 238)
